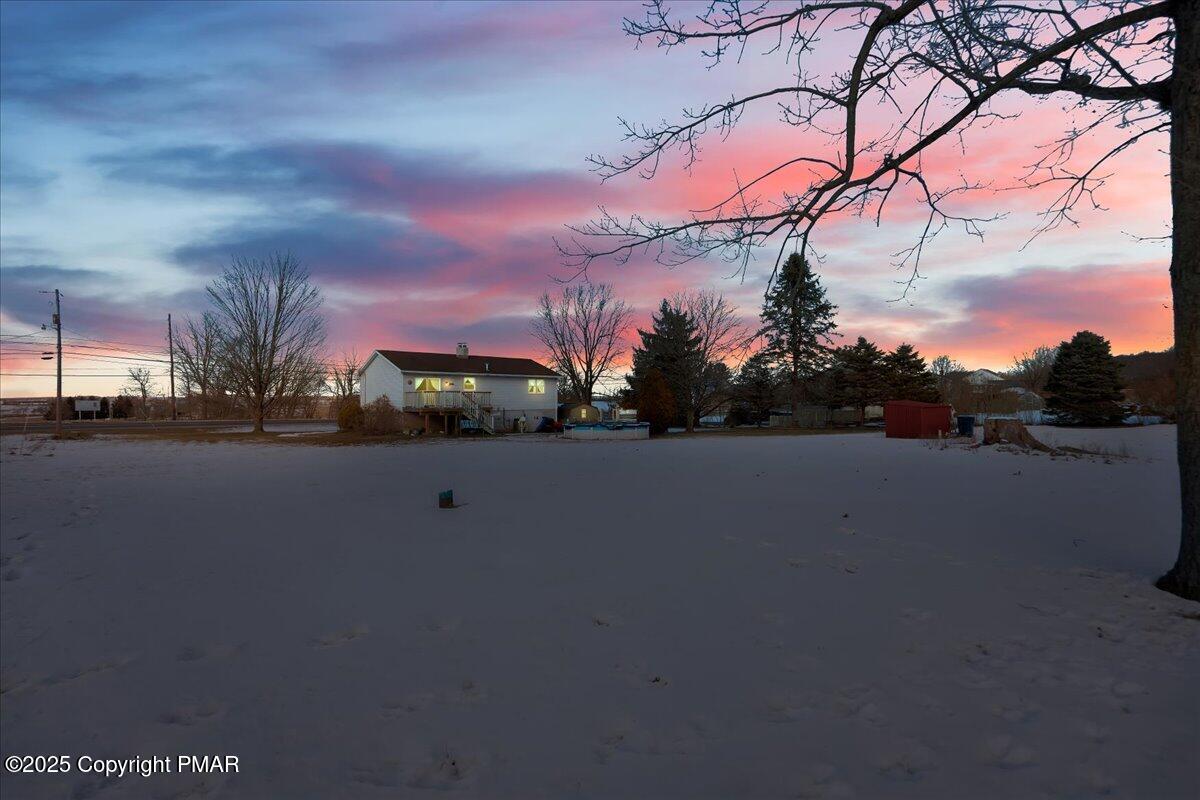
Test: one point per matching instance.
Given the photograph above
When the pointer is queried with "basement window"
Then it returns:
(537, 386)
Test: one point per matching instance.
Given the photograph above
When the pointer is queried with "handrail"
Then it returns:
(446, 399)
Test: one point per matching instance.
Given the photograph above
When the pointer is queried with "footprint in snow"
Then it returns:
(446, 625)
(639, 675)
(341, 637)
(909, 761)
(200, 652)
(446, 768)
(628, 736)
(383, 775)
(1011, 707)
(189, 715)
(819, 781)
(468, 693)
(89, 671)
(915, 616)
(409, 704)
(1006, 752)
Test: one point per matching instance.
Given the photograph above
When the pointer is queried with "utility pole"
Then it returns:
(58, 331)
(171, 348)
(58, 352)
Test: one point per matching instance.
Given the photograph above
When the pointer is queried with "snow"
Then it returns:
(720, 616)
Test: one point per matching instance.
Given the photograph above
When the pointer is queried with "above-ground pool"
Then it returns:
(607, 430)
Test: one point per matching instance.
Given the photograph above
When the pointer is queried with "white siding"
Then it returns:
(510, 393)
(381, 377)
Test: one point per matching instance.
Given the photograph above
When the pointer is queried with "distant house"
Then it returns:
(990, 392)
(459, 390)
(980, 377)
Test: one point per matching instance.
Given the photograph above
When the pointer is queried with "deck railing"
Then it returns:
(446, 399)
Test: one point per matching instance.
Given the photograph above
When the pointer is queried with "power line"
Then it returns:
(89, 356)
(77, 374)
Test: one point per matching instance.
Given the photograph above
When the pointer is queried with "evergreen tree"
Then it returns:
(756, 387)
(797, 321)
(671, 346)
(655, 404)
(859, 376)
(1085, 383)
(908, 379)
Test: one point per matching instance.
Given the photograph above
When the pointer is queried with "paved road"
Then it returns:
(103, 425)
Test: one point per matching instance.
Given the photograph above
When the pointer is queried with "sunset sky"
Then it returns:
(418, 158)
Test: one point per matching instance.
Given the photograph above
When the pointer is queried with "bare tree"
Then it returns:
(141, 384)
(1131, 68)
(581, 332)
(944, 368)
(344, 373)
(198, 351)
(944, 365)
(271, 330)
(722, 337)
(1032, 370)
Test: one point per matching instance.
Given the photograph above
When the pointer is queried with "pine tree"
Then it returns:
(756, 387)
(655, 404)
(859, 375)
(908, 379)
(1085, 383)
(671, 346)
(797, 321)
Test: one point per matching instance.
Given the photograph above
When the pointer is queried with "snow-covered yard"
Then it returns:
(760, 617)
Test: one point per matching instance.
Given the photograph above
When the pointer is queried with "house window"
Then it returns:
(429, 384)
(468, 384)
(537, 386)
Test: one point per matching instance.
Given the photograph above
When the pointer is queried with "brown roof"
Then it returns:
(410, 361)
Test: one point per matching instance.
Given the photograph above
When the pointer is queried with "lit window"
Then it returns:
(537, 386)
(468, 384)
(429, 384)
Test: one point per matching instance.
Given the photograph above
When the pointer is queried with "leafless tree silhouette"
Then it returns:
(580, 330)
(198, 351)
(1032, 370)
(937, 67)
(344, 374)
(721, 337)
(271, 331)
(141, 384)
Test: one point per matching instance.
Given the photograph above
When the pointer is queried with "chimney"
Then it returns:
(461, 352)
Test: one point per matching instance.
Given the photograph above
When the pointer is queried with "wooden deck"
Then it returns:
(448, 401)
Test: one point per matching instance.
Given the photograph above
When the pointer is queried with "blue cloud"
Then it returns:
(336, 246)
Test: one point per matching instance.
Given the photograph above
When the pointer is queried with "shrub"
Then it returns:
(122, 407)
(381, 417)
(350, 415)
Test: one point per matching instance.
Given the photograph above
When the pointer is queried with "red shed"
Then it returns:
(909, 419)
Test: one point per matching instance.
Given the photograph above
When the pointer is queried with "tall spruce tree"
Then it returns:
(797, 322)
(859, 376)
(672, 347)
(908, 379)
(1085, 382)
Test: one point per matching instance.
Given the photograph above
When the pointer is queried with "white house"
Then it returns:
(460, 389)
(982, 377)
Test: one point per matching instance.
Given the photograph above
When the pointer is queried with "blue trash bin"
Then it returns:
(966, 425)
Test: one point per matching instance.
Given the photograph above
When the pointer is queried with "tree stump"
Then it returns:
(1011, 431)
